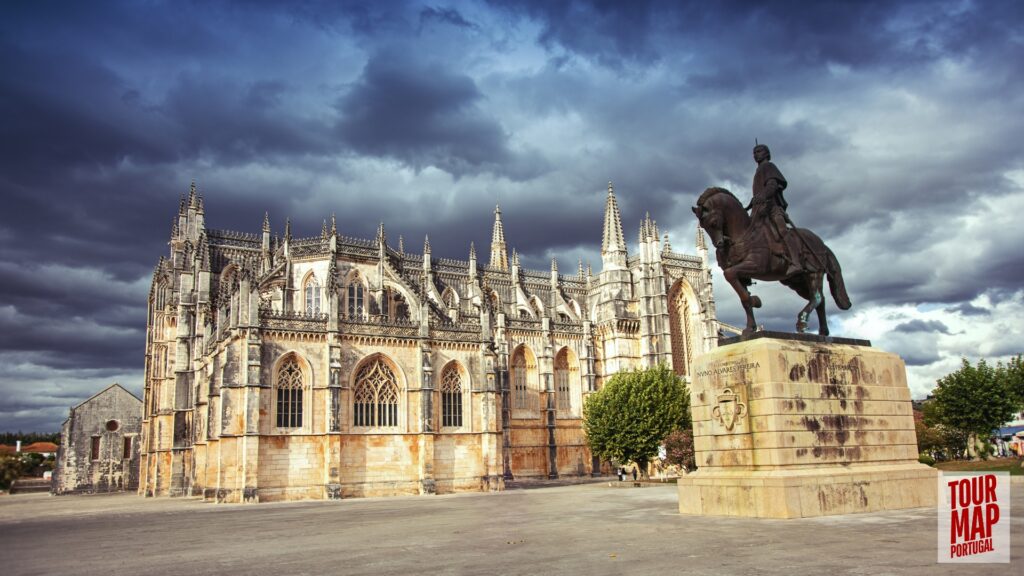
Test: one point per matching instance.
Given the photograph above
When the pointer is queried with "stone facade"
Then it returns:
(289, 368)
(99, 445)
(797, 425)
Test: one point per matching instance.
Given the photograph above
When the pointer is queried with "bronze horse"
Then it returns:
(743, 254)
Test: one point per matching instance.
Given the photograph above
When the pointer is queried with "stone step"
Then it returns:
(29, 485)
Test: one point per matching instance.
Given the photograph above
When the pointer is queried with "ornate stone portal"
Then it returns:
(791, 426)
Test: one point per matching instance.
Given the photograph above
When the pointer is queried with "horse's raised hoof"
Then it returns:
(755, 301)
(801, 327)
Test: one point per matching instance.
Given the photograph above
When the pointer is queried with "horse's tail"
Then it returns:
(835, 281)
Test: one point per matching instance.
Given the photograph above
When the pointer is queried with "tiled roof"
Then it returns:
(40, 447)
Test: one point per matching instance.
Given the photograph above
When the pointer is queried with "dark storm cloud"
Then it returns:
(919, 325)
(422, 114)
(757, 40)
(968, 309)
(449, 16)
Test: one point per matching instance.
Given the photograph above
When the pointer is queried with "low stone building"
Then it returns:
(99, 444)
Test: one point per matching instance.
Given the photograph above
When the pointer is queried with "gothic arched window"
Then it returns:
(519, 382)
(524, 374)
(681, 330)
(312, 291)
(354, 306)
(449, 298)
(376, 396)
(451, 397)
(289, 385)
(562, 394)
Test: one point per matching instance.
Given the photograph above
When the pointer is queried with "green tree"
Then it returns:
(973, 401)
(632, 414)
(1012, 375)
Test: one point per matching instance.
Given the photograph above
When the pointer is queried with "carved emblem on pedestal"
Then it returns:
(729, 409)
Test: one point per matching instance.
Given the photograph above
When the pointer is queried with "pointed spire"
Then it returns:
(613, 243)
(667, 247)
(401, 244)
(515, 258)
(192, 194)
(288, 230)
(472, 251)
(181, 204)
(323, 230)
(700, 239)
(174, 227)
(266, 222)
(499, 254)
(426, 244)
(334, 225)
(579, 268)
(381, 236)
(554, 266)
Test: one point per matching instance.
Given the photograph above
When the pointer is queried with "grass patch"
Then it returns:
(1011, 465)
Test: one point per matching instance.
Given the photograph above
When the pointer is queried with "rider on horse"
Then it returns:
(768, 208)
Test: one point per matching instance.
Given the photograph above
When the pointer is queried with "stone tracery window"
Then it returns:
(519, 382)
(312, 292)
(354, 297)
(562, 390)
(289, 386)
(449, 298)
(354, 305)
(525, 396)
(680, 331)
(451, 397)
(376, 396)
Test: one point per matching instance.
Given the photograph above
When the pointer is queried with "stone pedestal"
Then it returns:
(791, 426)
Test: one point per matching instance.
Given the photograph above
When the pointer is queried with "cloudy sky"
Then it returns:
(897, 125)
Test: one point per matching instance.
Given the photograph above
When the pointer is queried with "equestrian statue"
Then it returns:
(765, 245)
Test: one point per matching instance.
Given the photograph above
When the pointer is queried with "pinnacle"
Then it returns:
(499, 254)
(426, 244)
(612, 240)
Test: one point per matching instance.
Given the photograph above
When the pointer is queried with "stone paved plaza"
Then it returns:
(582, 529)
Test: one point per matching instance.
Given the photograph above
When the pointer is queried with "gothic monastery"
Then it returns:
(329, 367)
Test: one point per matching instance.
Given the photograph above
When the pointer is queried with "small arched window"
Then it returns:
(376, 396)
(312, 292)
(355, 299)
(289, 386)
(451, 397)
